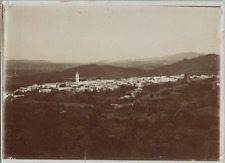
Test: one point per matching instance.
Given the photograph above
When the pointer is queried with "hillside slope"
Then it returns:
(104, 71)
(151, 63)
(208, 64)
(36, 66)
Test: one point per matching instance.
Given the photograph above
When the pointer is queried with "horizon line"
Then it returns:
(92, 62)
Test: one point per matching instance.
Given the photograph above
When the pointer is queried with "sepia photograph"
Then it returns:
(110, 81)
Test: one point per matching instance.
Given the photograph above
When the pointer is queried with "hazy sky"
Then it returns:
(72, 33)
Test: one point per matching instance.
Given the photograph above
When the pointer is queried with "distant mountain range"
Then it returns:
(39, 66)
(207, 64)
(103, 71)
(36, 66)
(204, 64)
(151, 63)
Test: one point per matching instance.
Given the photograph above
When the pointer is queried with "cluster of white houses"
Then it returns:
(102, 85)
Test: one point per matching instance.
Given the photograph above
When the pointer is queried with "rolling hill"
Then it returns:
(90, 71)
(207, 64)
(151, 63)
(40, 66)
(94, 71)
(36, 66)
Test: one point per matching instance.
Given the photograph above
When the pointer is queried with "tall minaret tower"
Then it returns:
(77, 77)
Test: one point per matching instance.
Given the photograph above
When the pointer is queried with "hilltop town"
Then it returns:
(104, 85)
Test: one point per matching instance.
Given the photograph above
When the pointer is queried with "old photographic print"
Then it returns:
(110, 82)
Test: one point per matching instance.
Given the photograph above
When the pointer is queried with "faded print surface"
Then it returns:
(111, 82)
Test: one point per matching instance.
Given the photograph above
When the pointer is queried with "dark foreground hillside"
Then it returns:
(173, 121)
